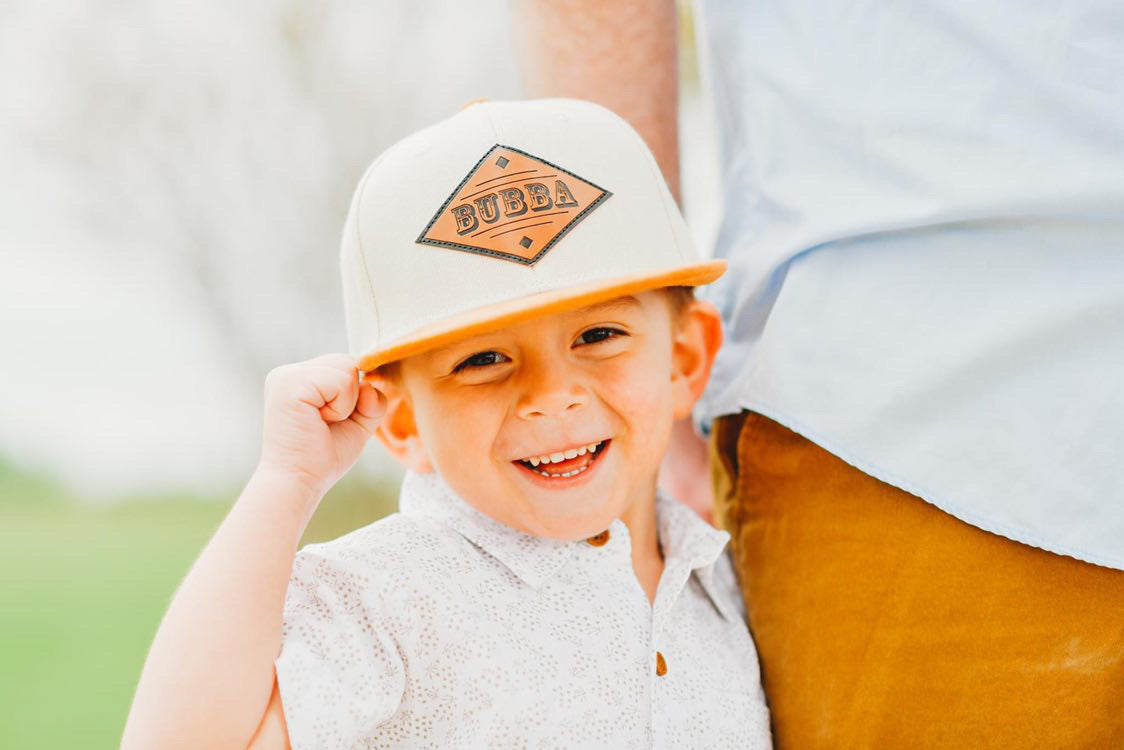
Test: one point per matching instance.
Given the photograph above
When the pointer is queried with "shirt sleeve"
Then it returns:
(339, 672)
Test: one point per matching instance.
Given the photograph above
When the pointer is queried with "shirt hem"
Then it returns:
(1015, 534)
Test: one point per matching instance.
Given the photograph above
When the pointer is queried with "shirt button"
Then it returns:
(599, 540)
(661, 665)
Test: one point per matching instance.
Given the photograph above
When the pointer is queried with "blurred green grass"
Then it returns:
(83, 590)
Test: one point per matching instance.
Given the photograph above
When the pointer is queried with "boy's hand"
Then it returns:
(318, 417)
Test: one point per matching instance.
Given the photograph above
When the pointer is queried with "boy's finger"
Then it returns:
(339, 392)
(369, 409)
(335, 360)
(379, 381)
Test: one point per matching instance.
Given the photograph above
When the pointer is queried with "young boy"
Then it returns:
(516, 280)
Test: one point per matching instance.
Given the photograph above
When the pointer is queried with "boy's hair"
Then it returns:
(678, 298)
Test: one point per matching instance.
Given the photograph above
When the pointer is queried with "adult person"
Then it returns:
(917, 422)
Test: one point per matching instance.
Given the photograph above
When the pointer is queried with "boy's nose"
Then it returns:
(550, 393)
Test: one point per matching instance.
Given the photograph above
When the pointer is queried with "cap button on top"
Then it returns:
(599, 540)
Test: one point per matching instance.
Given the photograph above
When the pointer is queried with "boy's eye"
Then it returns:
(489, 358)
(480, 359)
(595, 335)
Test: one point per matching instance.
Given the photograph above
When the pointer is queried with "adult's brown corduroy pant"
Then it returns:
(883, 622)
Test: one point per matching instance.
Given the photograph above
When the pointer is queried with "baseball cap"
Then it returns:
(506, 211)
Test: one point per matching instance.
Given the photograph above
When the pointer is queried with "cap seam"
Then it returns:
(362, 252)
(661, 181)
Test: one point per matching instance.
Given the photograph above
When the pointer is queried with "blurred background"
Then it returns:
(175, 179)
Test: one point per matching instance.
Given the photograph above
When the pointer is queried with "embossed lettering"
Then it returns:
(514, 202)
(564, 197)
(466, 218)
(538, 196)
(486, 208)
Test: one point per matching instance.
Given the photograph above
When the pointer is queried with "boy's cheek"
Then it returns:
(645, 381)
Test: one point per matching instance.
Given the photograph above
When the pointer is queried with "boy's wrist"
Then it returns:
(285, 489)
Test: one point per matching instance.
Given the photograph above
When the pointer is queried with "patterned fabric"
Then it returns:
(440, 627)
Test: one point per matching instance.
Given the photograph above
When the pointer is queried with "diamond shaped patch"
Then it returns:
(512, 205)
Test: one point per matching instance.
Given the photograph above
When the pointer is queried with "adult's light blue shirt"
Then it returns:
(924, 221)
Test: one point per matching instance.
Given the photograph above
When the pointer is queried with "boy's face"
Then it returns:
(615, 375)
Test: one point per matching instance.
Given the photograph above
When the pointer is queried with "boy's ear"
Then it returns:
(694, 346)
(398, 430)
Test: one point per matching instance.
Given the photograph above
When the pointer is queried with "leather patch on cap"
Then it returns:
(513, 206)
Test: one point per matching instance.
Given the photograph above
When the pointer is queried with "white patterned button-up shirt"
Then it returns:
(440, 627)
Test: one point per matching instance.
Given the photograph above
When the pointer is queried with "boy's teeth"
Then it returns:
(565, 473)
(562, 455)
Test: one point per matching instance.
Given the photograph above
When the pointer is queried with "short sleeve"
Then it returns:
(339, 672)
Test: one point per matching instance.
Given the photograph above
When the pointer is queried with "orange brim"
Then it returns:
(492, 317)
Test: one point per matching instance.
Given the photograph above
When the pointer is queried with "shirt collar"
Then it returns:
(689, 540)
(686, 538)
(533, 559)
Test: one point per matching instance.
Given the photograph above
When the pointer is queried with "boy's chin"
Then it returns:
(571, 532)
(574, 527)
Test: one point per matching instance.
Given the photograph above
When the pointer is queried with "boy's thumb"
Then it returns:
(369, 407)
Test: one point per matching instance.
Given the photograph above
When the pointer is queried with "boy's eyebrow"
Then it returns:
(626, 301)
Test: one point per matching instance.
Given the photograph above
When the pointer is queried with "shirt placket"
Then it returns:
(612, 549)
(655, 631)
(662, 661)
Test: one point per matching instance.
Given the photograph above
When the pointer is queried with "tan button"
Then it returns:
(599, 540)
(661, 665)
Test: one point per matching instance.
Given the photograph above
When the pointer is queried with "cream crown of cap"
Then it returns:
(506, 211)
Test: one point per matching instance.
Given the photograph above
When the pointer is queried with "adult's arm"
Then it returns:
(621, 54)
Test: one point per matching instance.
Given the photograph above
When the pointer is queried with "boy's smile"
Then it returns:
(555, 425)
(564, 463)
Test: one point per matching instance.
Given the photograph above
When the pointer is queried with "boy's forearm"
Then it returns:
(209, 672)
(622, 54)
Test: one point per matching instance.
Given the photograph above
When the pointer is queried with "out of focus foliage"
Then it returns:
(84, 588)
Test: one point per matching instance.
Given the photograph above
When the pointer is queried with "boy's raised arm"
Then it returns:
(209, 679)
